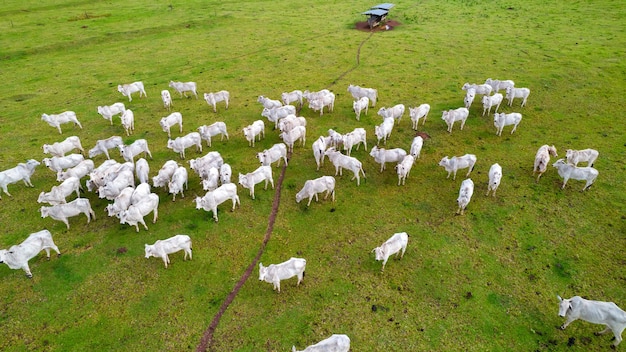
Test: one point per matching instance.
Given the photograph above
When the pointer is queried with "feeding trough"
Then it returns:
(377, 15)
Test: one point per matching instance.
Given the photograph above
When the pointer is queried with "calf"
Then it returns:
(274, 273)
(181, 143)
(420, 112)
(360, 105)
(257, 128)
(586, 155)
(23, 171)
(62, 212)
(542, 158)
(345, 162)
(167, 99)
(213, 98)
(108, 111)
(175, 118)
(161, 248)
(183, 87)
(128, 121)
(335, 343)
(512, 93)
(495, 176)
(212, 199)
(489, 101)
(393, 245)
(277, 152)
(58, 193)
(359, 92)
(313, 187)
(500, 120)
(129, 152)
(356, 137)
(208, 132)
(383, 156)
(452, 165)
(135, 213)
(567, 171)
(465, 195)
(58, 120)
(17, 256)
(404, 168)
(596, 312)
(179, 179)
(103, 146)
(128, 89)
(262, 173)
(451, 116)
(60, 148)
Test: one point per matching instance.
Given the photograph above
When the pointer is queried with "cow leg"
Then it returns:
(67, 223)
(144, 225)
(165, 260)
(310, 198)
(608, 328)
(27, 271)
(4, 188)
(565, 179)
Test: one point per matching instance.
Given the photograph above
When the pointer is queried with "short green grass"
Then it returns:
(483, 281)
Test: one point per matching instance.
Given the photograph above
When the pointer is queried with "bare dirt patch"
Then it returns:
(387, 26)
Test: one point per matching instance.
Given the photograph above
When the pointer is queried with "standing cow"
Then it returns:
(17, 257)
(393, 245)
(161, 248)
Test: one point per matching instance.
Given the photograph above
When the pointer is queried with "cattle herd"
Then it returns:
(126, 185)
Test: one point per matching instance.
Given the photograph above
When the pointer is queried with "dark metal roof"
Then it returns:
(385, 6)
(375, 12)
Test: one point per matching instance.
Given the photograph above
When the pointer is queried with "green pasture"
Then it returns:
(484, 281)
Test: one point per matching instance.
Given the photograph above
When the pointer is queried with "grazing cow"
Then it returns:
(383, 131)
(60, 148)
(495, 176)
(345, 162)
(512, 93)
(360, 105)
(211, 181)
(567, 171)
(175, 118)
(140, 192)
(416, 147)
(167, 99)
(114, 186)
(62, 212)
(469, 97)
(595, 312)
(313, 187)
(142, 170)
(585, 155)
(290, 137)
(500, 120)
(262, 173)
(213, 98)
(100, 175)
(310, 96)
(161, 248)
(274, 273)
(208, 132)
(184, 87)
(451, 116)
(181, 143)
(404, 168)
(108, 111)
(128, 89)
(465, 195)
(165, 174)
(293, 96)
(290, 122)
(319, 147)
(135, 213)
(395, 111)
(23, 171)
(103, 146)
(336, 139)
(202, 165)
(17, 256)
(277, 152)
(81, 170)
(58, 193)
(129, 152)
(57, 163)
(276, 114)
(357, 137)
(482, 89)
(452, 165)
(179, 179)
(327, 100)
(358, 92)
(383, 156)
(498, 85)
(396, 244)
(257, 128)
(489, 101)
(58, 120)
(418, 113)
(335, 343)
(269, 103)
(121, 202)
(212, 199)
(128, 121)
(542, 158)
(226, 173)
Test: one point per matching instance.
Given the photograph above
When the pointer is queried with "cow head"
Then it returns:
(198, 201)
(444, 161)
(44, 211)
(564, 306)
(262, 272)
(149, 252)
(243, 180)
(380, 253)
(3, 253)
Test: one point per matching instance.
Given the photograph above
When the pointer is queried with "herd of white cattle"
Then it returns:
(131, 203)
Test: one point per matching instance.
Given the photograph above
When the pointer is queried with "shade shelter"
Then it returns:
(377, 14)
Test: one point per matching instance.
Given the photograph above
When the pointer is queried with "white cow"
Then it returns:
(167, 99)
(276, 114)
(262, 173)
(103, 146)
(309, 96)
(257, 128)
(416, 147)
(500, 120)
(383, 156)
(129, 152)
(395, 111)
(567, 171)
(345, 162)
(57, 164)
(128, 89)
(179, 179)
(290, 137)
(274, 273)
(336, 138)
(357, 137)
(175, 118)
(495, 176)
(135, 213)
(383, 131)
(62, 212)
(585, 155)
(142, 170)
(161, 248)
(128, 121)
(451, 116)
(58, 120)
(140, 192)
(596, 312)
(23, 171)
(452, 165)
(319, 147)
(396, 244)
(60, 148)
(489, 101)
(213, 98)
(17, 256)
(498, 85)
(291, 97)
(81, 170)
(121, 202)
(470, 95)
(58, 193)
(482, 89)
(114, 186)
(512, 93)
(165, 174)
(269, 103)
(277, 152)
(212, 199)
(404, 168)
(542, 158)
(202, 165)
(360, 105)
(418, 113)
(358, 92)
(290, 122)
(108, 111)
(320, 103)
(181, 143)
(313, 187)
(212, 179)
(212, 130)
(184, 87)
(226, 173)
(465, 195)
(100, 175)
(335, 343)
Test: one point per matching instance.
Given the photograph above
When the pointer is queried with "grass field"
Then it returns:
(485, 281)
